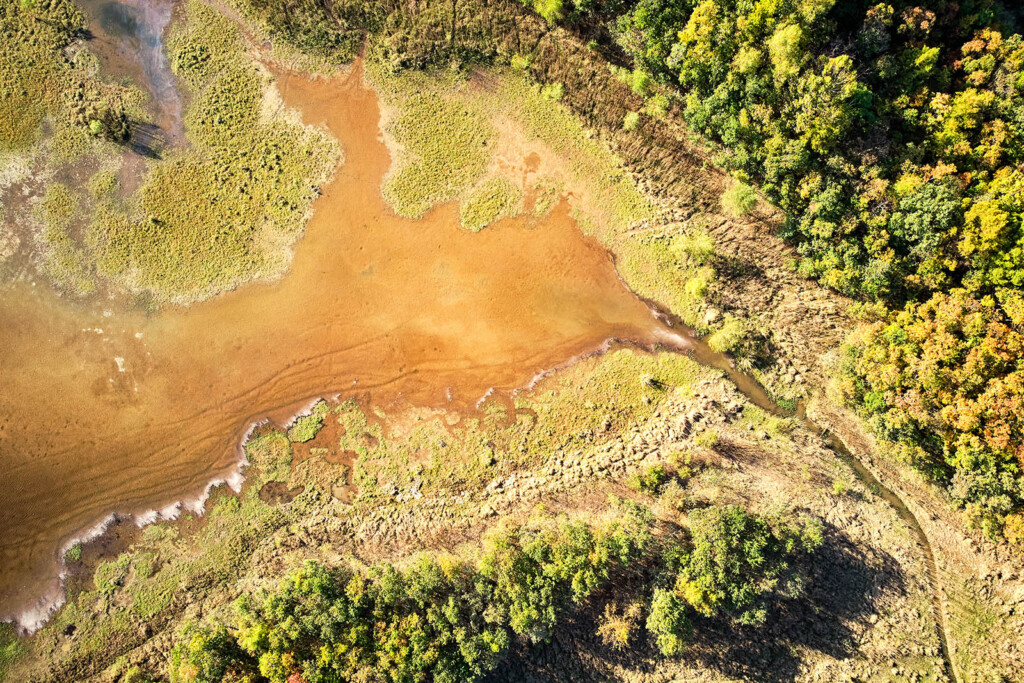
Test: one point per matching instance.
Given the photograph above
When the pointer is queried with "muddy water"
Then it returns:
(103, 409)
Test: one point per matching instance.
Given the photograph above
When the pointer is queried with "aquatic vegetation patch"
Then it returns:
(490, 200)
(306, 427)
(227, 209)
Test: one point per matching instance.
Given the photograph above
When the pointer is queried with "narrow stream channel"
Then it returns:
(756, 394)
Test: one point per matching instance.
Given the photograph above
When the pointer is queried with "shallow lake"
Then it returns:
(107, 409)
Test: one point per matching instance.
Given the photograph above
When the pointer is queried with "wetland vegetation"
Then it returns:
(627, 515)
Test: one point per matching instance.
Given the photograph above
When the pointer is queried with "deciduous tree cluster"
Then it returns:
(892, 134)
(451, 619)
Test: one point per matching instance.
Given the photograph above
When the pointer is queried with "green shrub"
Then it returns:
(697, 244)
(631, 121)
(617, 627)
(650, 480)
(552, 10)
(727, 337)
(739, 199)
(553, 91)
(74, 553)
(206, 655)
(657, 106)
(668, 622)
(520, 62)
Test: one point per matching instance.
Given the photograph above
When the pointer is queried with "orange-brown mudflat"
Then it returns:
(104, 408)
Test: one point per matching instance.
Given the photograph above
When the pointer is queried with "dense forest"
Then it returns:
(448, 619)
(892, 136)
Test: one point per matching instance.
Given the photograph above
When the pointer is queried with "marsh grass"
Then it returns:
(63, 261)
(489, 200)
(227, 209)
(10, 647)
(444, 130)
(32, 65)
(443, 150)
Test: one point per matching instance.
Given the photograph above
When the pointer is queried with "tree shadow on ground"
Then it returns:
(844, 583)
(146, 139)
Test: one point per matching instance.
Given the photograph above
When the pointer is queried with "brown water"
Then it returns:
(109, 410)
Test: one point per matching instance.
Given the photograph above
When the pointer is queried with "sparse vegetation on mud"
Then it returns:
(490, 200)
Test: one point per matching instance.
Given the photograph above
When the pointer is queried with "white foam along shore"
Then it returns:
(33, 618)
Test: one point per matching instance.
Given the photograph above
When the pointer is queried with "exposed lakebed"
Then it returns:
(107, 409)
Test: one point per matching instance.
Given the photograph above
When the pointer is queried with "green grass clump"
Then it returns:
(270, 454)
(443, 152)
(727, 337)
(630, 121)
(739, 199)
(102, 184)
(547, 192)
(490, 200)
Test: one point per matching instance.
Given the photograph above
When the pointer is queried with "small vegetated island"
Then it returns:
(804, 464)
